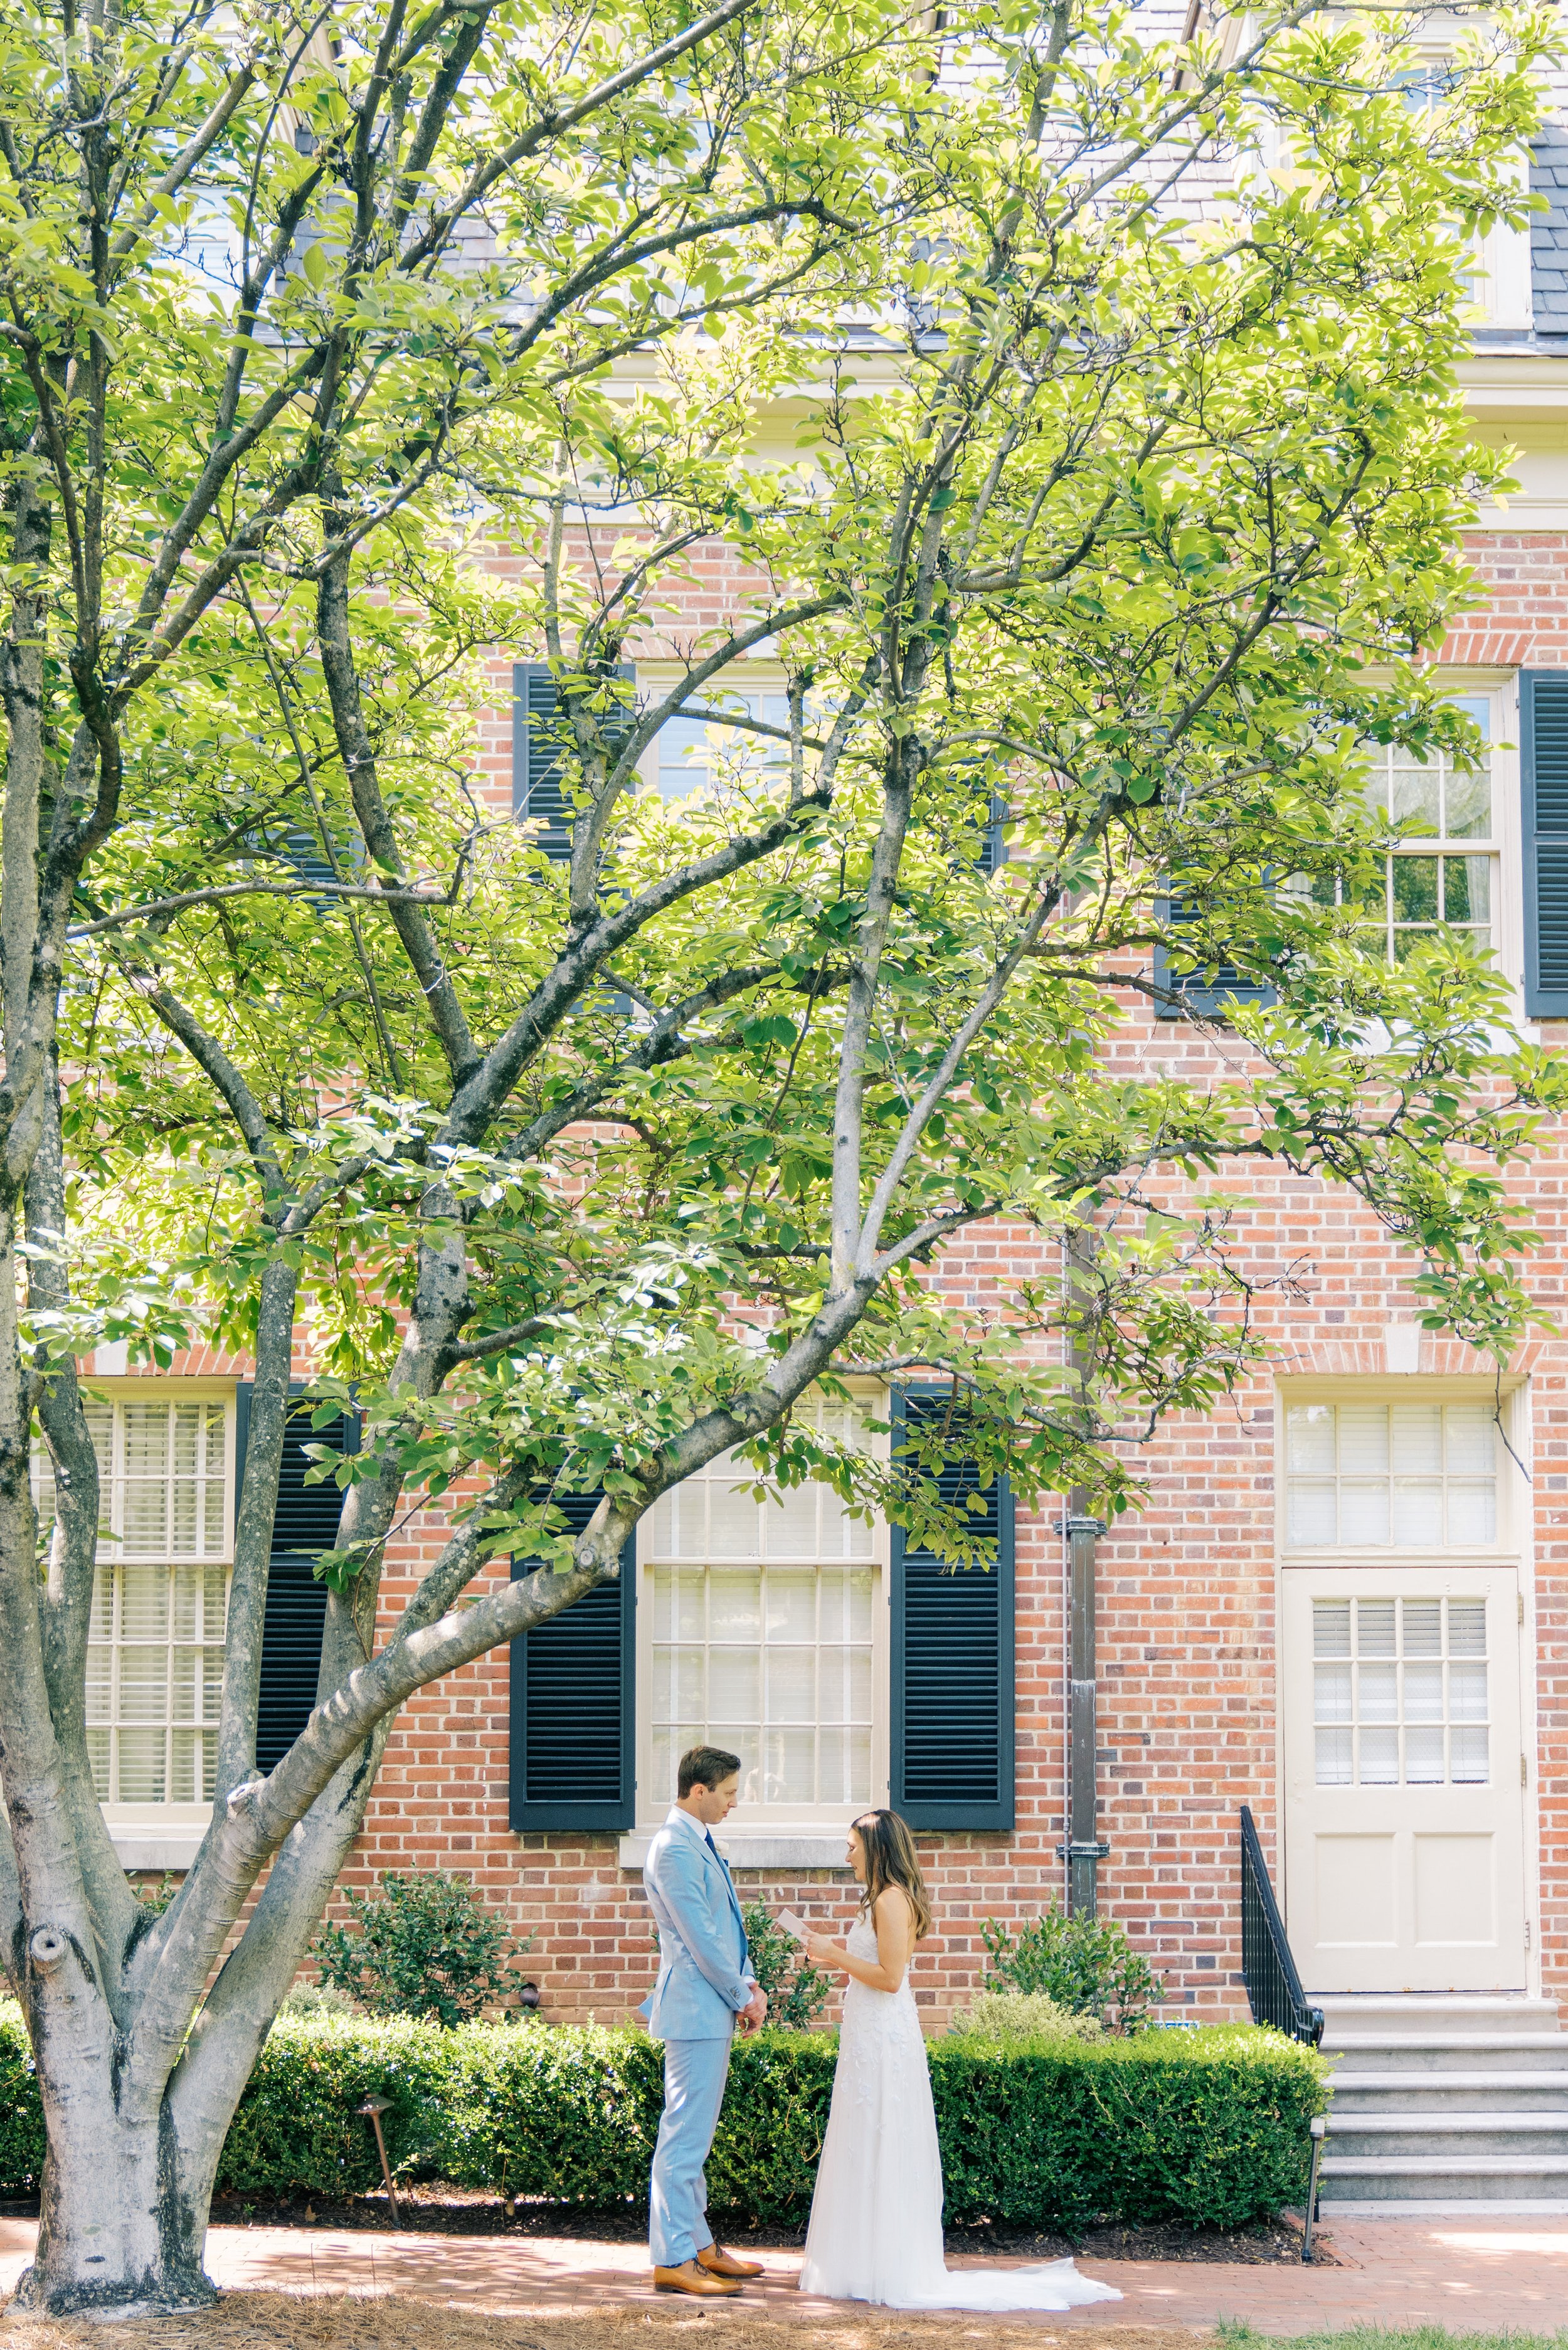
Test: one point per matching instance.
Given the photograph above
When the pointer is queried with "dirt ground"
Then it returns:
(276, 2320)
(462, 2211)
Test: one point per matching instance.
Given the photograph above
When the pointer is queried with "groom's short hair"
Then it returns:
(705, 1766)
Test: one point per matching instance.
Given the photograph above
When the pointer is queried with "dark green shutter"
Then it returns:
(300, 853)
(1544, 779)
(304, 1525)
(951, 1727)
(994, 842)
(574, 1703)
(1209, 991)
(303, 850)
(536, 759)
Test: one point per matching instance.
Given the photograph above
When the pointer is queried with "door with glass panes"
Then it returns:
(1404, 1817)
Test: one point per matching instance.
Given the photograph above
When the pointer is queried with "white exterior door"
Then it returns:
(1404, 1863)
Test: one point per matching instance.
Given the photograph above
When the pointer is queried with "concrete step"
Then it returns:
(1445, 2052)
(1351, 2206)
(1454, 2099)
(1375, 2012)
(1523, 2135)
(1356, 2092)
(1467, 2179)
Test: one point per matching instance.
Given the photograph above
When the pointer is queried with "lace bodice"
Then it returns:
(874, 2018)
(861, 1943)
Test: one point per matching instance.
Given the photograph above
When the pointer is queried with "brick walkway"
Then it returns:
(1505, 2271)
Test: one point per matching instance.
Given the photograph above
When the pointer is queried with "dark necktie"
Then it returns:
(708, 1840)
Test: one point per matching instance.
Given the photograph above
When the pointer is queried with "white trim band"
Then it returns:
(154, 1848)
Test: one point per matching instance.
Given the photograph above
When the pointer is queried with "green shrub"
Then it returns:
(425, 1946)
(1207, 2127)
(772, 2123)
(523, 2108)
(21, 2115)
(798, 1992)
(1086, 1964)
(1012, 2015)
(318, 1998)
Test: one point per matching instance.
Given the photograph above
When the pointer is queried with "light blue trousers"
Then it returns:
(694, 2077)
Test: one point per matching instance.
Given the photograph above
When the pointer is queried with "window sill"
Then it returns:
(139, 1846)
(754, 1848)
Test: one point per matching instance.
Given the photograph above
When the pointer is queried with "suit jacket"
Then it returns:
(704, 1964)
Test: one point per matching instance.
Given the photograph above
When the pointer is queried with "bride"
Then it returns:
(876, 2229)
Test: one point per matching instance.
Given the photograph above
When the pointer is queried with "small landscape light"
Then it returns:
(372, 2109)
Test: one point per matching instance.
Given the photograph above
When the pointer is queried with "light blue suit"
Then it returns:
(704, 1981)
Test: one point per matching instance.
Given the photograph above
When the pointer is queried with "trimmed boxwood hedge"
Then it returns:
(1208, 2126)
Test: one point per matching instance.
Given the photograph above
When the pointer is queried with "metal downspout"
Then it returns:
(1083, 1850)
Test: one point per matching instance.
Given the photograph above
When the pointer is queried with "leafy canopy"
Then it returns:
(1012, 419)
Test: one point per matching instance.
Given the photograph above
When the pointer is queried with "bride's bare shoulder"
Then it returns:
(893, 1903)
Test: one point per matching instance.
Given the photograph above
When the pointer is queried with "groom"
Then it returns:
(705, 1982)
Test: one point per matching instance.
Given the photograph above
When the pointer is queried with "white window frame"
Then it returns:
(1503, 295)
(1499, 689)
(769, 704)
(1404, 1725)
(1409, 1388)
(741, 684)
(760, 1831)
(135, 1827)
(1501, 286)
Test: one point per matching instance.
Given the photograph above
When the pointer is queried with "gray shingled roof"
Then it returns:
(1549, 230)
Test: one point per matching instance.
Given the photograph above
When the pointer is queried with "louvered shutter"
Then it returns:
(536, 762)
(1209, 991)
(303, 850)
(951, 1741)
(304, 1525)
(574, 1703)
(1544, 777)
(994, 842)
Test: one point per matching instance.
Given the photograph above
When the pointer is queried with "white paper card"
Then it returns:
(792, 1925)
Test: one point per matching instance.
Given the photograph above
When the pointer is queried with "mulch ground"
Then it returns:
(462, 2211)
(280, 2321)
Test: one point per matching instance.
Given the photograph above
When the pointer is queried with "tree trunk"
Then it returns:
(124, 2212)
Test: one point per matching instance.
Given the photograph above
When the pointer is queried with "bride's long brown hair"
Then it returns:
(890, 1860)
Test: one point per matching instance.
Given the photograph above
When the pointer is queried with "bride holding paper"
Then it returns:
(875, 2230)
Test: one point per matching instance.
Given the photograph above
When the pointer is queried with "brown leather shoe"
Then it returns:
(721, 2264)
(690, 2278)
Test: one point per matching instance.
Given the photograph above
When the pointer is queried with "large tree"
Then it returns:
(1108, 478)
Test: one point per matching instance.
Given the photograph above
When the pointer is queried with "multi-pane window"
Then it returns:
(1408, 1476)
(1441, 873)
(155, 1641)
(690, 750)
(764, 1634)
(1400, 1693)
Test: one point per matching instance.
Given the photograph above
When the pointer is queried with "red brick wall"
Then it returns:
(1186, 1604)
(1186, 1591)
(1185, 1601)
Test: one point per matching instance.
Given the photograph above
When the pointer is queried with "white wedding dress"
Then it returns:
(875, 2230)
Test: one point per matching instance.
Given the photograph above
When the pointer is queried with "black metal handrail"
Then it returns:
(1274, 1990)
